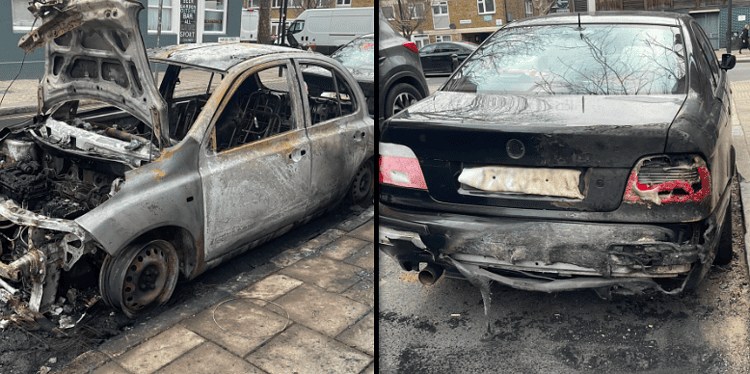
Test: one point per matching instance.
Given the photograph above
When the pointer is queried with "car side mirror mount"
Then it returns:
(728, 61)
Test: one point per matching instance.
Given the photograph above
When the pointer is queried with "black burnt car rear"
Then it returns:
(567, 152)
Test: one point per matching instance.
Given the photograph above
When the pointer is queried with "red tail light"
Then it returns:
(399, 166)
(669, 179)
(411, 46)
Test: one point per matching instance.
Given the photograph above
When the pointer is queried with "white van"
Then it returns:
(325, 30)
(249, 25)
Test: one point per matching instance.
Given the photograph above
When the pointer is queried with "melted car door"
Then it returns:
(337, 137)
(255, 167)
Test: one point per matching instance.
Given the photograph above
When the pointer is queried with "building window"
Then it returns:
(166, 15)
(215, 16)
(440, 8)
(22, 18)
(388, 12)
(416, 11)
(442, 38)
(529, 9)
(420, 40)
(254, 4)
(440, 18)
(343, 2)
(322, 4)
(486, 6)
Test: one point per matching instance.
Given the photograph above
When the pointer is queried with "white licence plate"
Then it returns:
(530, 181)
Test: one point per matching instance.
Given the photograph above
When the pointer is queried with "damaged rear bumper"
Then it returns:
(551, 256)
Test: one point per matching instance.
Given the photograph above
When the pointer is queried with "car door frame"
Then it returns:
(349, 136)
(218, 249)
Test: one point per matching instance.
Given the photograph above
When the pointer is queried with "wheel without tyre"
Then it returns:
(140, 277)
(363, 186)
(400, 97)
(724, 252)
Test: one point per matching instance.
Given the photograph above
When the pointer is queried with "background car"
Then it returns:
(401, 81)
(568, 152)
(358, 56)
(444, 57)
(236, 145)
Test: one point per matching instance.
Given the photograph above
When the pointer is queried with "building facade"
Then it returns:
(451, 20)
(474, 20)
(182, 21)
(296, 7)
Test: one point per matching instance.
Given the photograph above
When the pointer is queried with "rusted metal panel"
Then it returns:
(144, 202)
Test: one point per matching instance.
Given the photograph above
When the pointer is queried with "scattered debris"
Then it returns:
(66, 322)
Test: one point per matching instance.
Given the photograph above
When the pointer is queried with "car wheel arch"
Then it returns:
(405, 76)
(371, 161)
(189, 250)
(407, 80)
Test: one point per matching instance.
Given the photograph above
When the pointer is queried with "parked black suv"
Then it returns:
(402, 81)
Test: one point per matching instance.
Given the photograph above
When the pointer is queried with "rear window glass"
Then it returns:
(360, 52)
(598, 60)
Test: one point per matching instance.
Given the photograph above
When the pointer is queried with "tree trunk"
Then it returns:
(264, 22)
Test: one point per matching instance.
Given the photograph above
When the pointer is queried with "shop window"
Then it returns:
(214, 16)
(166, 15)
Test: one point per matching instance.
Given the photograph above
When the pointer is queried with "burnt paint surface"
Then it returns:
(252, 189)
(101, 56)
(214, 56)
(146, 201)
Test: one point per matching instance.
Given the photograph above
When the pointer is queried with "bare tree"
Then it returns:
(264, 22)
(541, 7)
(409, 16)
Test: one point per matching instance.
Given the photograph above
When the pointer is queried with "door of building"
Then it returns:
(709, 21)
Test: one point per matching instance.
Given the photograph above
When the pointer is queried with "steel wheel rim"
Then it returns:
(141, 277)
(403, 101)
(362, 183)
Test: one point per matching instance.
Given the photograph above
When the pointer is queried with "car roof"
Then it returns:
(456, 42)
(219, 57)
(609, 17)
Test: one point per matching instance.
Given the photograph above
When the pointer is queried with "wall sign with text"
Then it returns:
(188, 11)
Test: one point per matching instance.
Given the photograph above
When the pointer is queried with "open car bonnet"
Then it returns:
(95, 50)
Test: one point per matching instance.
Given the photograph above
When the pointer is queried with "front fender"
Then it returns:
(166, 192)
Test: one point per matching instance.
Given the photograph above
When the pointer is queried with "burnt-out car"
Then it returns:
(568, 152)
(236, 146)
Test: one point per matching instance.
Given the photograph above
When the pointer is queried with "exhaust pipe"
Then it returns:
(430, 274)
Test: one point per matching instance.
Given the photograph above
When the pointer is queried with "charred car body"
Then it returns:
(237, 146)
(568, 152)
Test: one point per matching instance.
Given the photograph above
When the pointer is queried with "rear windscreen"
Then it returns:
(594, 60)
